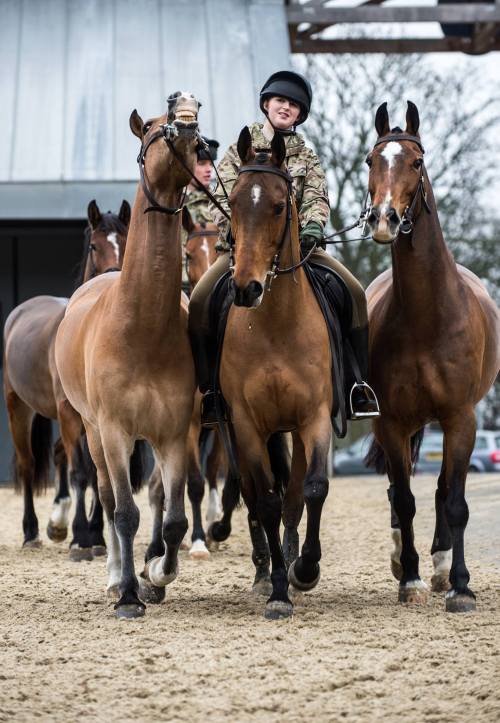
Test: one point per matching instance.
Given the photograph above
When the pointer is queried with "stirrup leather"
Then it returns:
(371, 397)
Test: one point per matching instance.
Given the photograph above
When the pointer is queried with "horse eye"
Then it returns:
(279, 208)
(146, 127)
(418, 163)
(93, 247)
(188, 256)
(368, 162)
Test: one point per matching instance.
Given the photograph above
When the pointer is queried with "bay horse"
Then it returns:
(124, 358)
(276, 375)
(199, 254)
(34, 396)
(434, 353)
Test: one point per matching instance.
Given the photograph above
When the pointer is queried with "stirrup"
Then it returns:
(212, 402)
(371, 399)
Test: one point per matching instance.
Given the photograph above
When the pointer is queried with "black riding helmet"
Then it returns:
(207, 154)
(291, 85)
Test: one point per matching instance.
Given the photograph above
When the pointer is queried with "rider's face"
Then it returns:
(283, 113)
(203, 172)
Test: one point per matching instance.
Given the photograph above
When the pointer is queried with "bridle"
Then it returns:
(93, 267)
(407, 220)
(167, 132)
(275, 269)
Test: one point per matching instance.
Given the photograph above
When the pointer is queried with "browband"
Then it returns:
(400, 137)
(267, 169)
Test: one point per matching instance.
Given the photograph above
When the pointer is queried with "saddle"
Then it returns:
(335, 302)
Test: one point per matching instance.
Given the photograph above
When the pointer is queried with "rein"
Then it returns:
(167, 132)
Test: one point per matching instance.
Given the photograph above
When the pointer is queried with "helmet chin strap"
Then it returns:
(282, 131)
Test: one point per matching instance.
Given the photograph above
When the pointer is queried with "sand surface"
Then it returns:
(350, 653)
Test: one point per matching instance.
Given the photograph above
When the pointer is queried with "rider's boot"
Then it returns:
(362, 401)
(213, 408)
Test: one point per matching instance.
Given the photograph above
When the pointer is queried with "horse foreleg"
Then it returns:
(149, 592)
(396, 446)
(441, 543)
(96, 523)
(293, 502)
(20, 421)
(196, 489)
(214, 463)
(57, 526)
(117, 450)
(163, 570)
(304, 572)
(459, 435)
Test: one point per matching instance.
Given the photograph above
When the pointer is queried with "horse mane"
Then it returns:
(396, 129)
(109, 223)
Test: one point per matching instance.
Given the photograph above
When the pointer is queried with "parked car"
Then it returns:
(485, 456)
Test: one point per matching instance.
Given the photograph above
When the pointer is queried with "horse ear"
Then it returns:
(382, 120)
(93, 214)
(135, 122)
(244, 146)
(278, 150)
(187, 220)
(412, 119)
(124, 213)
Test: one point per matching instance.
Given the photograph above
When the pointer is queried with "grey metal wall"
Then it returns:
(72, 71)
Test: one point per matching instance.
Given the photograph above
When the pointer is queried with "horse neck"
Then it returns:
(425, 276)
(150, 281)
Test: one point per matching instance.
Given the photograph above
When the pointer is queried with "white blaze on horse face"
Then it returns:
(255, 193)
(114, 243)
(204, 246)
(390, 152)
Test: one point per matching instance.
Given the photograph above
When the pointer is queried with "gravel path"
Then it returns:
(350, 653)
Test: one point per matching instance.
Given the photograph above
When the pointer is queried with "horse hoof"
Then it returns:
(34, 544)
(219, 532)
(129, 612)
(263, 587)
(184, 544)
(414, 592)
(396, 570)
(278, 610)
(440, 583)
(99, 550)
(80, 554)
(113, 593)
(56, 534)
(459, 602)
(149, 593)
(298, 584)
(199, 551)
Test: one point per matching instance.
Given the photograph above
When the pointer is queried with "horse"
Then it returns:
(34, 396)
(434, 353)
(199, 254)
(276, 376)
(124, 358)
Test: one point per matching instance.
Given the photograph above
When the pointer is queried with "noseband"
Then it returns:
(275, 269)
(407, 221)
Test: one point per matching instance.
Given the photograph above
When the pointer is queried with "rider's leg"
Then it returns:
(203, 345)
(364, 402)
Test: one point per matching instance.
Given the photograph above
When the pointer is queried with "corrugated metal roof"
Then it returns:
(72, 71)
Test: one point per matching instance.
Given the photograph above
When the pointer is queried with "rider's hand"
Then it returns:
(311, 234)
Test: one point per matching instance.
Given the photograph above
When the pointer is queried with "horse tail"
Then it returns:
(376, 456)
(41, 447)
(279, 456)
(138, 464)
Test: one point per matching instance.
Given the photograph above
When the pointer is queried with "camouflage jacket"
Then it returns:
(309, 182)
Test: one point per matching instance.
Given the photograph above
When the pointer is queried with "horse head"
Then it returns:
(106, 234)
(168, 148)
(396, 178)
(200, 250)
(260, 203)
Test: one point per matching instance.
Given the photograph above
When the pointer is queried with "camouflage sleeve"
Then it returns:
(315, 205)
(228, 172)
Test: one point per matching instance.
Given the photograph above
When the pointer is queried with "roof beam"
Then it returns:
(389, 45)
(467, 13)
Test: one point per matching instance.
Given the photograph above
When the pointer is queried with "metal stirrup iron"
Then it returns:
(371, 396)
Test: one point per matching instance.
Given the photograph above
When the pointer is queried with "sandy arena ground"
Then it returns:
(350, 653)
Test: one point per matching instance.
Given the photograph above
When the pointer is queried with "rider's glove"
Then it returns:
(311, 234)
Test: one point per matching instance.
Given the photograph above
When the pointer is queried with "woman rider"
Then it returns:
(285, 100)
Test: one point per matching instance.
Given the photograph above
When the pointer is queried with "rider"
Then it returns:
(285, 100)
(196, 200)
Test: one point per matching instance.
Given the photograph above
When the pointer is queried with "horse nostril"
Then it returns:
(392, 216)
(374, 216)
(254, 290)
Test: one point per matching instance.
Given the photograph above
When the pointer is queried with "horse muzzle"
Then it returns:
(384, 224)
(249, 295)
